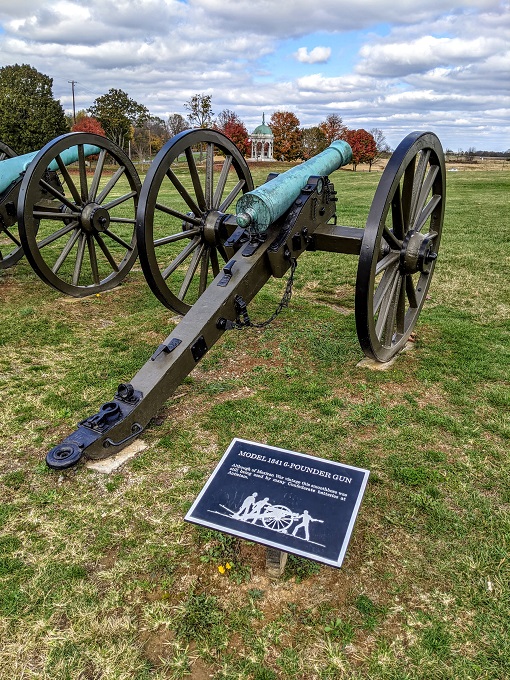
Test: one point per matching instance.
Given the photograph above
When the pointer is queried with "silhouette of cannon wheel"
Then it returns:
(277, 518)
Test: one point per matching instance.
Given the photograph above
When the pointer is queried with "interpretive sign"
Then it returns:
(291, 501)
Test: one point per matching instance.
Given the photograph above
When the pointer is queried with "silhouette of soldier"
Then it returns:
(256, 510)
(247, 505)
(305, 518)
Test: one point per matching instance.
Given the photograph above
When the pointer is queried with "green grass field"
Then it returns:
(100, 578)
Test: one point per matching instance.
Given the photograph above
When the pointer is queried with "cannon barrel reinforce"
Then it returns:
(11, 169)
(261, 207)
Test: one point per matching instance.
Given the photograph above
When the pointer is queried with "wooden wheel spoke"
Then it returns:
(183, 192)
(193, 266)
(94, 186)
(65, 251)
(427, 212)
(222, 181)
(419, 175)
(204, 269)
(68, 180)
(401, 308)
(176, 237)
(185, 253)
(79, 259)
(411, 292)
(54, 192)
(180, 215)
(195, 178)
(397, 215)
(110, 184)
(383, 287)
(118, 239)
(425, 190)
(387, 260)
(119, 201)
(209, 175)
(12, 237)
(214, 262)
(106, 252)
(391, 239)
(407, 193)
(232, 196)
(93, 259)
(387, 315)
(55, 215)
(57, 234)
(83, 173)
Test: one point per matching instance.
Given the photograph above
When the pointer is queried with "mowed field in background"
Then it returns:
(100, 578)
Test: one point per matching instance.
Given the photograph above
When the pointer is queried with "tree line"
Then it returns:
(30, 117)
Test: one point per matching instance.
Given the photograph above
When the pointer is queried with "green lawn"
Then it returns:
(100, 578)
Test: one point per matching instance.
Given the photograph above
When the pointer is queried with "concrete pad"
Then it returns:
(374, 365)
(112, 463)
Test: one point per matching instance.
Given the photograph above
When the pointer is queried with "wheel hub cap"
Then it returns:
(417, 254)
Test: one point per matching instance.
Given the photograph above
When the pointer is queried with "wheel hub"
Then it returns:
(417, 254)
(95, 218)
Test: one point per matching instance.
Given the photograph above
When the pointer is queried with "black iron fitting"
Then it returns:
(227, 274)
(166, 348)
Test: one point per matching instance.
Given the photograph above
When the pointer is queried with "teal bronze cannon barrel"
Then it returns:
(11, 169)
(261, 207)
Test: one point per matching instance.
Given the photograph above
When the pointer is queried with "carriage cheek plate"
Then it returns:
(290, 501)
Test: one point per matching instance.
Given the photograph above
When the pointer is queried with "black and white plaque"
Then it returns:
(290, 501)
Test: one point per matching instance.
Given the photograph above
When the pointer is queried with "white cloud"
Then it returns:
(437, 67)
(319, 55)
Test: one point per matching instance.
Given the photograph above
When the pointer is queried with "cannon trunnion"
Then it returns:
(207, 263)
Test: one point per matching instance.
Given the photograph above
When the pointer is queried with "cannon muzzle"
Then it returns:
(261, 207)
(11, 169)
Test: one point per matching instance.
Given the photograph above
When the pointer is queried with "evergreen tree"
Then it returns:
(29, 115)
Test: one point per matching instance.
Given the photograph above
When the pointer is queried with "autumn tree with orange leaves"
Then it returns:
(287, 136)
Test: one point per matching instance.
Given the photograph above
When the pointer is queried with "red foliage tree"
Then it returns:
(287, 135)
(88, 124)
(232, 126)
(362, 143)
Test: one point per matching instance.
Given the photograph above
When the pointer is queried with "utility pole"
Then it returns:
(74, 105)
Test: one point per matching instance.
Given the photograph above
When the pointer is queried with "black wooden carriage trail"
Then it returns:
(208, 242)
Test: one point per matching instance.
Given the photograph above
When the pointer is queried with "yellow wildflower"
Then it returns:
(228, 565)
(221, 569)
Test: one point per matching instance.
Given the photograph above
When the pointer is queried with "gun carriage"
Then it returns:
(70, 208)
(188, 223)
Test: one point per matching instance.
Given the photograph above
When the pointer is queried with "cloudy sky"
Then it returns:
(399, 66)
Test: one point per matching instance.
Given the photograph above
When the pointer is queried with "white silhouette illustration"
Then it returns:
(247, 506)
(274, 517)
(306, 519)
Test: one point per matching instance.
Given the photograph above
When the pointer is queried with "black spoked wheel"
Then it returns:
(10, 244)
(76, 214)
(400, 245)
(190, 186)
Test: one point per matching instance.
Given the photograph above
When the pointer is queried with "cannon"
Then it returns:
(186, 225)
(74, 222)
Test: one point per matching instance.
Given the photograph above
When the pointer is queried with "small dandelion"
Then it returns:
(221, 569)
(228, 565)
(98, 295)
